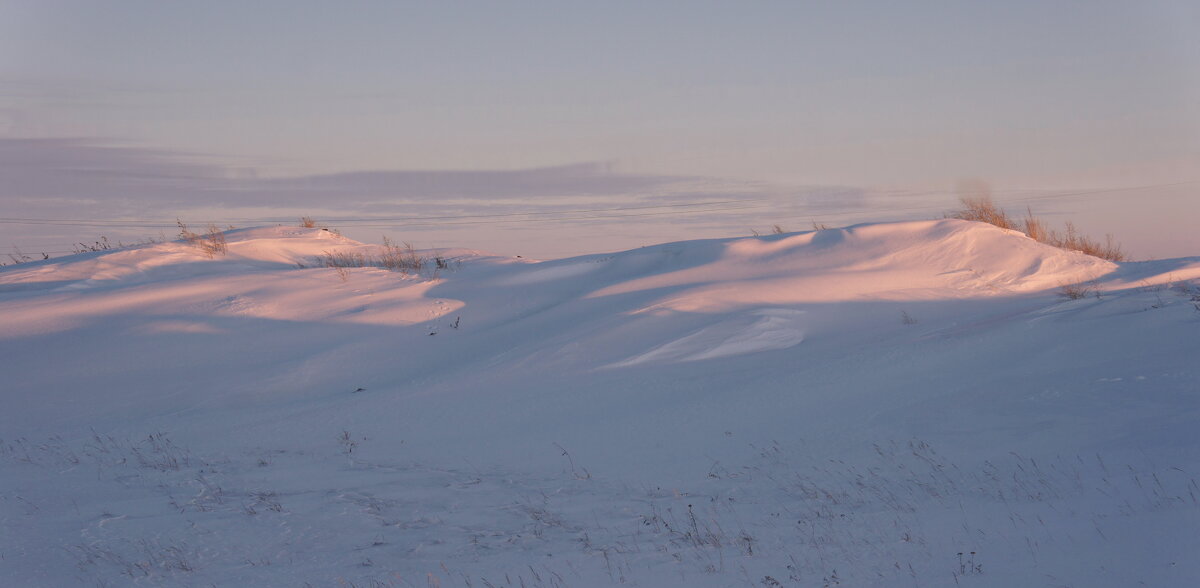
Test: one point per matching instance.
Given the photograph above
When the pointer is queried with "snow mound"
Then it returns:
(898, 261)
(748, 288)
(254, 248)
(266, 272)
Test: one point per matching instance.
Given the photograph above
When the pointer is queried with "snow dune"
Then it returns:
(840, 407)
(903, 261)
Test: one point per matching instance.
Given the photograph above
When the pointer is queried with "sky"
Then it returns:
(218, 110)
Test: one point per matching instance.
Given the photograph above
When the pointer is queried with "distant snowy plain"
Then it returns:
(900, 404)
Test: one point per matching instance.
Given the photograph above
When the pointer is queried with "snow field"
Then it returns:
(847, 407)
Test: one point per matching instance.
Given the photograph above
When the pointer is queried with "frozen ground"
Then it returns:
(907, 404)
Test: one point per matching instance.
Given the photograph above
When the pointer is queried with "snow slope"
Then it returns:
(840, 407)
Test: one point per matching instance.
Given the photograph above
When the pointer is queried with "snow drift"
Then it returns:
(851, 406)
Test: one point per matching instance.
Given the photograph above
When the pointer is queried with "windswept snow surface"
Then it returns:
(882, 405)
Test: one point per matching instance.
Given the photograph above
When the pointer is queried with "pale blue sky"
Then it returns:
(884, 92)
(1033, 95)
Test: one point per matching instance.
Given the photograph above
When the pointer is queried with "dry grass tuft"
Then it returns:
(1071, 239)
(211, 242)
(977, 205)
(1077, 291)
(401, 258)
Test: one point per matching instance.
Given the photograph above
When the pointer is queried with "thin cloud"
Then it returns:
(128, 193)
(95, 173)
